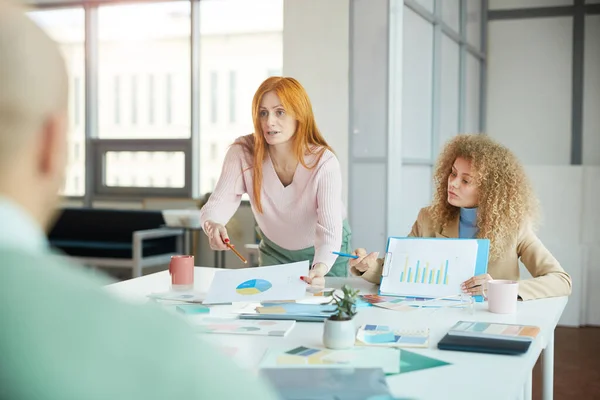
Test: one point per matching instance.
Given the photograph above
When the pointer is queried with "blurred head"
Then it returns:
(476, 171)
(33, 115)
(283, 117)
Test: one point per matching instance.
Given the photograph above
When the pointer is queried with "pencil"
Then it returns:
(241, 257)
(345, 254)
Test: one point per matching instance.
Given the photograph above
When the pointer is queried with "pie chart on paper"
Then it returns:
(253, 286)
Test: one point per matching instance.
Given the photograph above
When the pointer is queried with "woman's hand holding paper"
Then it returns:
(316, 276)
(476, 284)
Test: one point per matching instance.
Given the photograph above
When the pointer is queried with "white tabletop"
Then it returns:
(470, 375)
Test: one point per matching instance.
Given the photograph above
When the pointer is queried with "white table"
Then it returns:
(470, 375)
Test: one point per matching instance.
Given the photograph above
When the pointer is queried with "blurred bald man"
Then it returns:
(61, 336)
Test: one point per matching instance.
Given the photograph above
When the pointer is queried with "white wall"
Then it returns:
(591, 91)
(529, 79)
(316, 52)
(529, 109)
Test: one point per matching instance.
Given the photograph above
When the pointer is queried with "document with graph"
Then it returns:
(254, 285)
(431, 267)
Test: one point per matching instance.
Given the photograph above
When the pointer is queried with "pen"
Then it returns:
(241, 257)
(345, 254)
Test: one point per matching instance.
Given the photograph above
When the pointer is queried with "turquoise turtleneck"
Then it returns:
(467, 227)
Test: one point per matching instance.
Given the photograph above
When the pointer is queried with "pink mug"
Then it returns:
(502, 296)
(181, 269)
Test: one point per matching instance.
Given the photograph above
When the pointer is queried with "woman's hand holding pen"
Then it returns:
(217, 235)
(364, 261)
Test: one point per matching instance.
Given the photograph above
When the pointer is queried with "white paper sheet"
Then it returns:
(428, 267)
(277, 282)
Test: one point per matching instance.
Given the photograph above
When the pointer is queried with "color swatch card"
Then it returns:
(277, 282)
(494, 330)
(243, 327)
(431, 267)
(385, 336)
(357, 357)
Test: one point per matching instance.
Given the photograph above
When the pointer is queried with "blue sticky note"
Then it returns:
(383, 337)
(193, 309)
(419, 340)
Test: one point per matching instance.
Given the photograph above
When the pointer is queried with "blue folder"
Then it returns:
(481, 263)
(296, 312)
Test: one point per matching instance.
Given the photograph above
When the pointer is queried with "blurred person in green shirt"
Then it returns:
(61, 336)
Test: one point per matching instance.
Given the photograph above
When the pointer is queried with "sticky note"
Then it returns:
(193, 309)
(383, 337)
(271, 310)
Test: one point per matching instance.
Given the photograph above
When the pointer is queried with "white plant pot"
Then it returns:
(338, 335)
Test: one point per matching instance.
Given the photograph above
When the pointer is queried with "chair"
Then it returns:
(133, 239)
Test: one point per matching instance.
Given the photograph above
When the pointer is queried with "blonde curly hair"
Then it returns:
(506, 199)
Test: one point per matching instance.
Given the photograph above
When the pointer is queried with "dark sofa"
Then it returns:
(116, 238)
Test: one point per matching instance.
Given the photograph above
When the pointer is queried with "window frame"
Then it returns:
(96, 147)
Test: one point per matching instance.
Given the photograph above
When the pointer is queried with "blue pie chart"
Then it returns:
(253, 286)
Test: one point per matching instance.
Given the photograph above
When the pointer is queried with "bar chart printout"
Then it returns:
(426, 267)
(425, 272)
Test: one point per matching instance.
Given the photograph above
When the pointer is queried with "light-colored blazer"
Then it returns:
(549, 278)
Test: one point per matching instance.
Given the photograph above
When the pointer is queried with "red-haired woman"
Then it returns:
(294, 182)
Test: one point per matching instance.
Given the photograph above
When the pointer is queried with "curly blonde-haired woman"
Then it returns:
(482, 191)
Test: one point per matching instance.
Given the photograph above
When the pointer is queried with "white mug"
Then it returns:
(502, 296)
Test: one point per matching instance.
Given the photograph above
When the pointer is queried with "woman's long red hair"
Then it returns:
(307, 138)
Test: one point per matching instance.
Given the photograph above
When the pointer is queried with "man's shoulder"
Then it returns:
(46, 267)
(69, 316)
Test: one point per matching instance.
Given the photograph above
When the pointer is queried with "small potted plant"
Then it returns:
(339, 331)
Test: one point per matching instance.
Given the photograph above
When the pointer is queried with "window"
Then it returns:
(240, 44)
(214, 96)
(134, 105)
(77, 100)
(449, 91)
(144, 169)
(474, 23)
(151, 99)
(66, 27)
(76, 152)
(274, 72)
(232, 96)
(438, 86)
(117, 100)
(168, 98)
(417, 86)
(472, 90)
(141, 98)
(213, 151)
(451, 14)
(134, 41)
